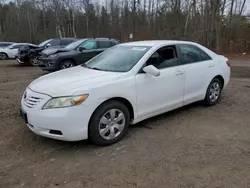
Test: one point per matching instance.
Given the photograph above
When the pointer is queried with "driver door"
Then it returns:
(158, 94)
(90, 50)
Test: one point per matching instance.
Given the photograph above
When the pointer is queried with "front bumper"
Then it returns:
(68, 124)
(47, 64)
(22, 59)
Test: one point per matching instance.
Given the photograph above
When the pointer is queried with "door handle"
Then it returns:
(179, 72)
(211, 66)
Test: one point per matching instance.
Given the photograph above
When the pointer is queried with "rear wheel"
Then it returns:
(3, 56)
(109, 123)
(67, 64)
(213, 92)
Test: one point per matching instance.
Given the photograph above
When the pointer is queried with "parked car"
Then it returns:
(124, 85)
(11, 51)
(5, 44)
(27, 55)
(74, 54)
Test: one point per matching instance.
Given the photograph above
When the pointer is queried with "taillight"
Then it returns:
(228, 64)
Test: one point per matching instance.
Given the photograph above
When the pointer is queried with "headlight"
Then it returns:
(62, 102)
(53, 55)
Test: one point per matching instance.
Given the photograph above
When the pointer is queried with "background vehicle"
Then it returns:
(126, 84)
(11, 51)
(28, 55)
(74, 54)
(5, 44)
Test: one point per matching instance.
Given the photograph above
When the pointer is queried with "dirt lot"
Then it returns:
(191, 147)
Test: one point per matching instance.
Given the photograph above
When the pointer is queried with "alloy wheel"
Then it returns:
(34, 61)
(3, 56)
(214, 91)
(67, 65)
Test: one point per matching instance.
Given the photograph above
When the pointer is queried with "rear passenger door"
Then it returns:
(198, 67)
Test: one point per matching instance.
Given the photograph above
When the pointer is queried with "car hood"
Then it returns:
(69, 81)
(50, 51)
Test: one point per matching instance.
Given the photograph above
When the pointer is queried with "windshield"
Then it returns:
(44, 43)
(75, 44)
(10, 46)
(118, 58)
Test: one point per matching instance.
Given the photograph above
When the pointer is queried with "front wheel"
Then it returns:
(109, 123)
(213, 92)
(67, 64)
(34, 61)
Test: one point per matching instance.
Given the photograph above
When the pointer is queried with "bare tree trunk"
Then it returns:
(134, 17)
(149, 15)
(58, 28)
(242, 7)
(30, 29)
(73, 24)
(43, 12)
(194, 7)
(231, 11)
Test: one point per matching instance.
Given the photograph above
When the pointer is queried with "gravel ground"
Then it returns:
(190, 147)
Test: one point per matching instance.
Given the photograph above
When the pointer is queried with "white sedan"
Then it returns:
(11, 51)
(124, 85)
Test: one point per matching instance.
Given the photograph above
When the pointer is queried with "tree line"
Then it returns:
(222, 25)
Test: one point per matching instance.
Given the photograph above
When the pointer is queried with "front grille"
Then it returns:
(32, 101)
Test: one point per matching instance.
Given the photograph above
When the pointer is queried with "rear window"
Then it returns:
(17, 46)
(5, 44)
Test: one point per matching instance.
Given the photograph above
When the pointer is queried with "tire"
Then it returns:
(66, 64)
(34, 61)
(213, 92)
(102, 125)
(3, 56)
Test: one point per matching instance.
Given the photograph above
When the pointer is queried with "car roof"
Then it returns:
(100, 38)
(65, 38)
(22, 43)
(152, 43)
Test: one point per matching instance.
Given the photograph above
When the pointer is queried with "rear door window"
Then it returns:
(104, 44)
(5, 44)
(192, 54)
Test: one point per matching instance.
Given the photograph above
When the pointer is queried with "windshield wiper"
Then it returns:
(94, 68)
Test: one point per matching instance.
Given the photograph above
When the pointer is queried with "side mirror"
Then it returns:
(48, 45)
(81, 49)
(152, 70)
